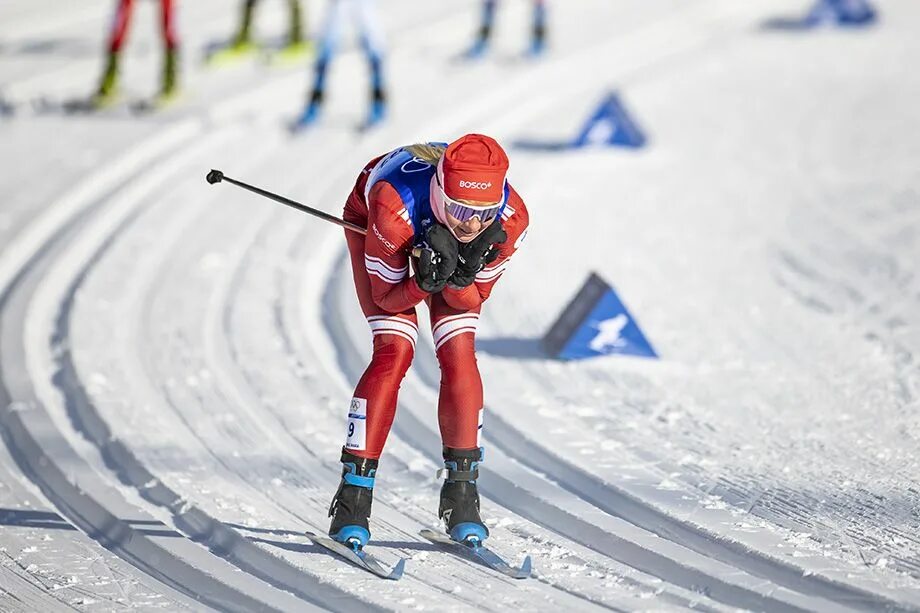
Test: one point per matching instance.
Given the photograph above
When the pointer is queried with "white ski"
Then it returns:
(359, 557)
(481, 554)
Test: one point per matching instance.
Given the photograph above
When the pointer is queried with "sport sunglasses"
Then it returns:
(464, 212)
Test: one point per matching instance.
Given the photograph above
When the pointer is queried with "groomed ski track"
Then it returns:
(174, 359)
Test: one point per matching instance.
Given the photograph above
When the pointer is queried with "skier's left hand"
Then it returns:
(477, 254)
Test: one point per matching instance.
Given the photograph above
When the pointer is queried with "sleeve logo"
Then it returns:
(387, 243)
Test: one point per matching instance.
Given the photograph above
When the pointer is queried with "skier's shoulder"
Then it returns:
(389, 217)
(515, 216)
(383, 196)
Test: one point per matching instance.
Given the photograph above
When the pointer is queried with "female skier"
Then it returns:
(454, 206)
(108, 87)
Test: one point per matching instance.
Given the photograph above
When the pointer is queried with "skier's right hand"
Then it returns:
(477, 254)
(437, 259)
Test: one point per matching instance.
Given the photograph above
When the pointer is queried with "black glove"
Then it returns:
(437, 260)
(477, 254)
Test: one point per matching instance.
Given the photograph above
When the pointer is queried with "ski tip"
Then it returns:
(526, 568)
(316, 539)
(397, 572)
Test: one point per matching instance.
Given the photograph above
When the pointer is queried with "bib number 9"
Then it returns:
(357, 425)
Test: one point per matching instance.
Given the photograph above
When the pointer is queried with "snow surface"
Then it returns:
(182, 355)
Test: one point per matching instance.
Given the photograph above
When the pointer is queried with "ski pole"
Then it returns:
(216, 176)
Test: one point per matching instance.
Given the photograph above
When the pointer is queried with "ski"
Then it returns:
(153, 105)
(359, 558)
(481, 554)
(7, 109)
(75, 106)
(232, 54)
(289, 55)
(111, 106)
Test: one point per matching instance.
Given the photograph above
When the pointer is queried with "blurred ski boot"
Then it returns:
(242, 44)
(311, 112)
(351, 505)
(235, 52)
(537, 47)
(378, 110)
(170, 89)
(108, 87)
(291, 53)
(479, 49)
(459, 497)
(296, 48)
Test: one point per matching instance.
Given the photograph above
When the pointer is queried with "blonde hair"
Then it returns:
(427, 152)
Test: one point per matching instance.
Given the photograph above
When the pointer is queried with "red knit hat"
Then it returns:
(473, 168)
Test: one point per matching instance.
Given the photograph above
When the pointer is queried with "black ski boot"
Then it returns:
(351, 505)
(459, 497)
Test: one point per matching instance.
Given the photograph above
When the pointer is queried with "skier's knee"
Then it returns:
(458, 355)
(393, 353)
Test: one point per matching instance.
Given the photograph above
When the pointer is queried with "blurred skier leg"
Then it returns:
(296, 48)
(242, 44)
(108, 86)
(538, 36)
(373, 44)
(483, 36)
(171, 61)
(329, 40)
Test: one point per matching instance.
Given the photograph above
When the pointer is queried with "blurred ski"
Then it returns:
(232, 54)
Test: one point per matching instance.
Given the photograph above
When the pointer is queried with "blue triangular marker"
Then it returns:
(595, 323)
(610, 125)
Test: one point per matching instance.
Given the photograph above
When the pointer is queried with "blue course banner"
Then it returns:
(596, 323)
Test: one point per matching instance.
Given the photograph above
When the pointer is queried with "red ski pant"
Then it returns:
(373, 405)
(123, 19)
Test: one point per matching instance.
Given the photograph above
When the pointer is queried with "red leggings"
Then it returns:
(374, 403)
(123, 18)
